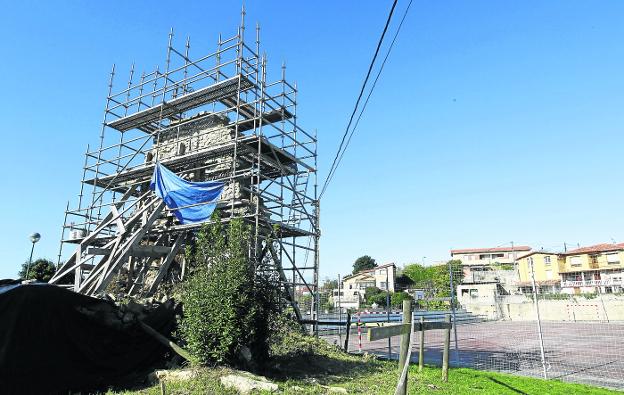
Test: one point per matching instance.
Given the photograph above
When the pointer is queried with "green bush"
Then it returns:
(40, 270)
(397, 299)
(374, 295)
(227, 307)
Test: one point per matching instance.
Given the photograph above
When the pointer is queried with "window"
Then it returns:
(547, 260)
(498, 255)
(382, 285)
(474, 293)
(549, 275)
(613, 258)
(575, 261)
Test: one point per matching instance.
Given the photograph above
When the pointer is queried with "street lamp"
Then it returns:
(34, 238)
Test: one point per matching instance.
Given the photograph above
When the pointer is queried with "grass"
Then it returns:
(320, 373)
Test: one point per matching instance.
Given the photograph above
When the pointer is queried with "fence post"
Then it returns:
(359, 326)
(421, 347)
(346, 343)
(445, 352)
(453, 299)
(539, 321)
(405, 344)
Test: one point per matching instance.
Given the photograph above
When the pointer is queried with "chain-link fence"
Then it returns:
(501, 326)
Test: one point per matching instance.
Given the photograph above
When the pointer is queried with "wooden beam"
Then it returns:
(150, 251)
(164, 267)
(133, 241)
(98, 251)
(384, 332)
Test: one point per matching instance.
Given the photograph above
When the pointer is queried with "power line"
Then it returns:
(357, 103)
(357, 122)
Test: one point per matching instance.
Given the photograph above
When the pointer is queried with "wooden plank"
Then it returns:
(383, 332)
(164, 267)
(150, 251)
(98, 251)
(434, 325)
(134, 239)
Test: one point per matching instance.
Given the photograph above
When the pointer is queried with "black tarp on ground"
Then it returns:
(49, 345)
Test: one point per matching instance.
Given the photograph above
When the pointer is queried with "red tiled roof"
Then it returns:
(369, 270)
(597, 248)
(539, 252)
(495, 249)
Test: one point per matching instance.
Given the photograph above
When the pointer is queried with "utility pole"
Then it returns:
(539, 321)
(388, 313)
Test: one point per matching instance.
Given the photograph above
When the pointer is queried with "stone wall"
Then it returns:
(195, 135)
(520, 308)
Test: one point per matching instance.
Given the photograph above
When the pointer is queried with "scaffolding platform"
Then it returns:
(218, 91)
(276, 161)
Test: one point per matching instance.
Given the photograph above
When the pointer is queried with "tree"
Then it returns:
(40, 270)
(363, 263)
(228, 307)
(403, 281)
(329, 285)
(375, 295)
(435, 280)
(397, 298)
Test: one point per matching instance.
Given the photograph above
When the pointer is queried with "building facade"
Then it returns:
(598, 268)
(489, 264)
(546, 266)
(354, 286)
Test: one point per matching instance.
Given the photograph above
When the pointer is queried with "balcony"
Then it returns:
(591, 283)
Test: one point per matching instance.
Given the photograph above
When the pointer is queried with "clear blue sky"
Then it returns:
(493, 121)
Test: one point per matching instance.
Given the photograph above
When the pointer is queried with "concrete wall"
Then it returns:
(521, 308)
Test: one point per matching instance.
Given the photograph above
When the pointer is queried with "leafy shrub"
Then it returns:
(397, 299)
(227, 306)
(375, 295)
(40, 270)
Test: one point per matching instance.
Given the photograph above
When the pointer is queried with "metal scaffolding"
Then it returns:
(211, 117)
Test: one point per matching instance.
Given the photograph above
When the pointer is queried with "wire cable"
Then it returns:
(357, 103)
(357, 122)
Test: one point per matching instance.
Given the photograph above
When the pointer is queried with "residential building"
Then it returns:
(382, 277)
(354, 286)
(597, 268)
(489, 264)
(546, 269)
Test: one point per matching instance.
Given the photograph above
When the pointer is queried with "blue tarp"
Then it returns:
(178, 194)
